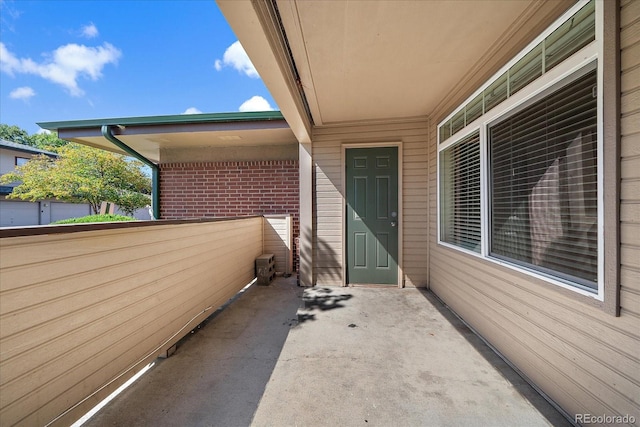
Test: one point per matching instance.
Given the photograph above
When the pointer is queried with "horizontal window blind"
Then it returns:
(543, 194)
(460, 202)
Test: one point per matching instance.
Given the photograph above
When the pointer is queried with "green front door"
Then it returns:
(372, 215)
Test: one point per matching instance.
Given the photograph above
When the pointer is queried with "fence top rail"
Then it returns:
(37, 230)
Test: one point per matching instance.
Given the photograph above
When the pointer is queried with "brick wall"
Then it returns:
(219, 189)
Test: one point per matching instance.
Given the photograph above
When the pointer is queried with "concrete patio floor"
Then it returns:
(348, 357)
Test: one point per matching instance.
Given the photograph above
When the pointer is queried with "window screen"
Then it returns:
(543, 191)
(460, 193)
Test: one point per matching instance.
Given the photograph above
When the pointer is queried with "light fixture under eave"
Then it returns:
(229, 137)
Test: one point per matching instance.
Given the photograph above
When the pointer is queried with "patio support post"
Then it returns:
(305, 162)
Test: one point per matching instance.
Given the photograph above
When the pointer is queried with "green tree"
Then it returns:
(47, 141)
(44, 141)
(14, 134)
(82, 175)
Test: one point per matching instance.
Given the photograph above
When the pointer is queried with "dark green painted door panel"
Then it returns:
(372, 215)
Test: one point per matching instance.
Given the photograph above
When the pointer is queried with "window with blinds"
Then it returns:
(460, 193)
(518, 160)
(543, 184)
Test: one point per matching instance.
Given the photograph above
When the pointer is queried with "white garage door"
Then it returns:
(18, 214)
(68, 210)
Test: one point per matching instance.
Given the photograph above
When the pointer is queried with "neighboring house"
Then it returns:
(486, 151)
(15, 212)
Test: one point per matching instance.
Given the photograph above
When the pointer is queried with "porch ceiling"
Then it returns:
(149, 135)
(373, 60)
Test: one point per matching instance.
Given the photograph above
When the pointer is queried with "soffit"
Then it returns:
(150, 139)
(365, 60)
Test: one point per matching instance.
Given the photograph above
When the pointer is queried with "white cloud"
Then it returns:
(43, 131)
(89, 31)
(256, 103)
(24, 92)
(192, 110)
(64, 65)
(236, 57)
(8, 62)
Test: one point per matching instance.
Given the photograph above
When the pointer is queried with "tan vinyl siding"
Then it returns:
(79, 309)
(278, 241)
(583, 358)
(328, 213)
(630, 158)
(327, 157)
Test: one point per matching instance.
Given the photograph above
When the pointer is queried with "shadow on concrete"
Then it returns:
(550, 413)
(321, 299)
(324, 299)
(219, 372)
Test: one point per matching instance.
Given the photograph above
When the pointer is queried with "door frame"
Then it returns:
(343, 176)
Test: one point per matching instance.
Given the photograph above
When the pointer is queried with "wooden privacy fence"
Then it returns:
(82, 312)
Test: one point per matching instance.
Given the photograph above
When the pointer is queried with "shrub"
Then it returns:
(95, 218)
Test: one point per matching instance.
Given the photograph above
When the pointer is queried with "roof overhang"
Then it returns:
(371, 61)
(149, 135)
(13, 146)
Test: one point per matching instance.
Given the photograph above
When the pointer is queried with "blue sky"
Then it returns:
(72, 60)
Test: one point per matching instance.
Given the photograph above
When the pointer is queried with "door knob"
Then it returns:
(393, 223)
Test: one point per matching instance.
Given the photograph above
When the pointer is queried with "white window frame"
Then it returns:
(462, 134)
(578, 64)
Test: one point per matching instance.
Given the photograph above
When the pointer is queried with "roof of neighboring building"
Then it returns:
(5, 190)
(251, 116)
(24, 148)
(149, 135)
